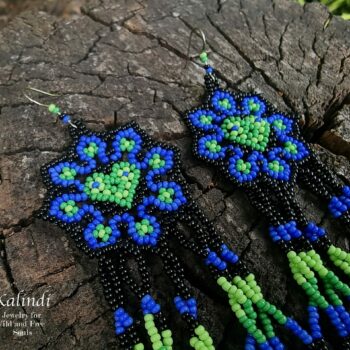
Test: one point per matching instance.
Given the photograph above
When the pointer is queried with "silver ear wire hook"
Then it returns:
(204, 43)
(42, 92)
(52, 108)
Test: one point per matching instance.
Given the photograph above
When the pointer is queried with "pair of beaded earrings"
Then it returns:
(121, 197)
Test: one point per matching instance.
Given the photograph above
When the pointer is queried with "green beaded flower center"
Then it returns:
(279, 124)
(206, 119)
(126, 144)
(156, 161)
(253, 107)
(276, 166)
(91, 149)
(291, 147)
(144, 227)
(67, 173)
(247, 131)
(225, 103)
(166, 195)
(102, 232)
(213, 146)
(70, 208)
(243, 167)
(118, 187)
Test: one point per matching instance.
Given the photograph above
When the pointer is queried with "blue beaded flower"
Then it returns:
(247, 137)
(113, 185)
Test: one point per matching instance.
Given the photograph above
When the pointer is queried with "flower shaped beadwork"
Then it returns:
(112, 186)
(247, 137)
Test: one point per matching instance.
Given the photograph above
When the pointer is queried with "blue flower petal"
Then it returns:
(253, 105)
(293, 149)
(129, 142)
(145, 238)
(159, 160)
(90, 148)
(98, 242)
(277, 168)
(209, 147)
(223, 103)
(242, 170)
(281, 124)
(65, 208)
(204, 119)
(64, 174)
(169, 196)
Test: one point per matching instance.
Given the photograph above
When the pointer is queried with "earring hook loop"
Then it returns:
(52, 108)
(199, 32)
(40, 91)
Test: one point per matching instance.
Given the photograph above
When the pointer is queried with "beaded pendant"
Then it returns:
(261, 150)
(121, 197)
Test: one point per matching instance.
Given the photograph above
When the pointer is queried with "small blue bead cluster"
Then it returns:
(293, 326)
(224, 102)
(129, 135)
(300, 150)
(143, 239)
(70, 216)
(314, 232)
(228, 255)
(289, 231)
(122, 321)
(82, 150)
(250, 343)
(344, 316)
(285, 232)
(276, 343)
(246, 108)
(215, 260)
(206, 151)
(57, 174)
(252, 162)
(205, 119)
(177, 199)
(220, 262)
(337, 319)
(284, 171)
(314, 319)
(188, 306)
(280, 124)
(165, 155)
(66, 119)
(339, 205)
(273, 343)
(209, 70)
(149, 305)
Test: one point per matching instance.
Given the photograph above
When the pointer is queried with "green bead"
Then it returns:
(51, 108)
(240, 313)
(245, 130)
(155, 337)
(199, 330)
(148, 317)
(261, 303)
(203, 57)
(157, 345)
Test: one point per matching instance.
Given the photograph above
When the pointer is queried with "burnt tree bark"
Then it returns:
(122, 61)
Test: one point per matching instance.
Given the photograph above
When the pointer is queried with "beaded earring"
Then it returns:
(262, 151)
(120, 195)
